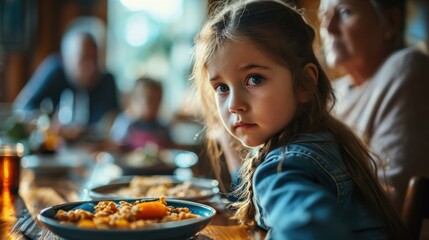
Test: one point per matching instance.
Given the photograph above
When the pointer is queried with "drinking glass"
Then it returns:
(10, 165)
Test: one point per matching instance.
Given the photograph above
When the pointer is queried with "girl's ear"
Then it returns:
(312, 73)
(311, 70)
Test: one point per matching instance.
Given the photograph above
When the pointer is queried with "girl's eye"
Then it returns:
(255, 80)
(221, 88)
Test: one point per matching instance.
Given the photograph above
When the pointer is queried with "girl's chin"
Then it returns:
(249, 144)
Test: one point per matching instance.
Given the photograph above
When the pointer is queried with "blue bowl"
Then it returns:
(161, 231)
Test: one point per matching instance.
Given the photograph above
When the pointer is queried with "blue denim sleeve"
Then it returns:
(235, 178)
(235, 181)
(293, 202)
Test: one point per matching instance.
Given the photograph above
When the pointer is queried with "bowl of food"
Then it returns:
(150, 219)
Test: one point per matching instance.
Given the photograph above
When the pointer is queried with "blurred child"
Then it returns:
(307, 176)
(138, 125)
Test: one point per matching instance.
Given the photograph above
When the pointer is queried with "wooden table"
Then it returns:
(18, 211)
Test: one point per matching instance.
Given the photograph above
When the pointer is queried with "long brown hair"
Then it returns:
(281, 32)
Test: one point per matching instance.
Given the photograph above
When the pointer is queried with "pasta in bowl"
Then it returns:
(107, 214)
(153, 219)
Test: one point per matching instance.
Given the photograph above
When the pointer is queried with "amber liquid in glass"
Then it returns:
(10, 168)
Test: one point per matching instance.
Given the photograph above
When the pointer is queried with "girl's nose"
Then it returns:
(237, 102)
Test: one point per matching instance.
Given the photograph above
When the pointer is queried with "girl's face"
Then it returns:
(254, 94)
(352, 31)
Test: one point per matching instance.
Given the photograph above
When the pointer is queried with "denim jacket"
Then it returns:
(304, 191)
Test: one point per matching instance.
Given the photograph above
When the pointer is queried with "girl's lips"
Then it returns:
(243, 125)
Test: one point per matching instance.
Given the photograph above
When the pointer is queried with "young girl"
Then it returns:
(306, 175)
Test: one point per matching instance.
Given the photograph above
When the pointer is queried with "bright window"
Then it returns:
(154, 38)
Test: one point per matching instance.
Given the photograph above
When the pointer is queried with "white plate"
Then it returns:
(208, 188)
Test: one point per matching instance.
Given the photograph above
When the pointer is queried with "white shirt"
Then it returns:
(390, 112)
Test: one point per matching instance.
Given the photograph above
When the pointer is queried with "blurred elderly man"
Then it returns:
(71, 83)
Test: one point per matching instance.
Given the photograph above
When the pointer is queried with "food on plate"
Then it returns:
(127, 215)
(150, 186)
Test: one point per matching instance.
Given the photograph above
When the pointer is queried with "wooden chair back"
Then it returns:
(416, 205)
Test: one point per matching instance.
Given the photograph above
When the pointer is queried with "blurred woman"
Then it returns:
(381, 95)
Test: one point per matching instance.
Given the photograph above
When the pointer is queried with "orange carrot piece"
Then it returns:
(151, 210)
